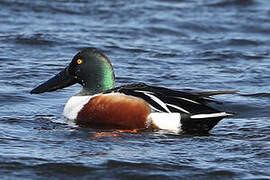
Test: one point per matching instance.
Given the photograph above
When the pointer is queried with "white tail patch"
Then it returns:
(165, 121)
(212, 115)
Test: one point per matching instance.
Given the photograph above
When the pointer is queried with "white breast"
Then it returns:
(74, 105)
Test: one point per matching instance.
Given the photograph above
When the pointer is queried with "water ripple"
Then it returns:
(214, 45)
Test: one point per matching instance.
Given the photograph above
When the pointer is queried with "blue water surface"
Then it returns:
(201, 45)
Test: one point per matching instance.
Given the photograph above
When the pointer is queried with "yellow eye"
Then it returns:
(79, 61)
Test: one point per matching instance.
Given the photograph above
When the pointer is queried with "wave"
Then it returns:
(35, 39)
(257, 95)
(229, 3)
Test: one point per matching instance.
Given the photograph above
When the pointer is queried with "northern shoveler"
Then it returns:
(135, 106)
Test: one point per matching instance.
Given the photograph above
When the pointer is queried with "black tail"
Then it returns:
(198, 124)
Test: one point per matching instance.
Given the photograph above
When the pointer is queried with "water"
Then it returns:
(205, 45)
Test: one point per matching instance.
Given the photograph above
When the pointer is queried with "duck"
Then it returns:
(132, 106)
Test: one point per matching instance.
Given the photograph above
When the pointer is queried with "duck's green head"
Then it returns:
(90, 68)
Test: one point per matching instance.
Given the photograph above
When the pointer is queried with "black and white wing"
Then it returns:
(166, 100)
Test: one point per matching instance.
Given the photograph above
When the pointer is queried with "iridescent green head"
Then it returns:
(90, 68)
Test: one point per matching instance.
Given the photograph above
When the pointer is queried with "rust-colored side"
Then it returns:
(116, 110)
